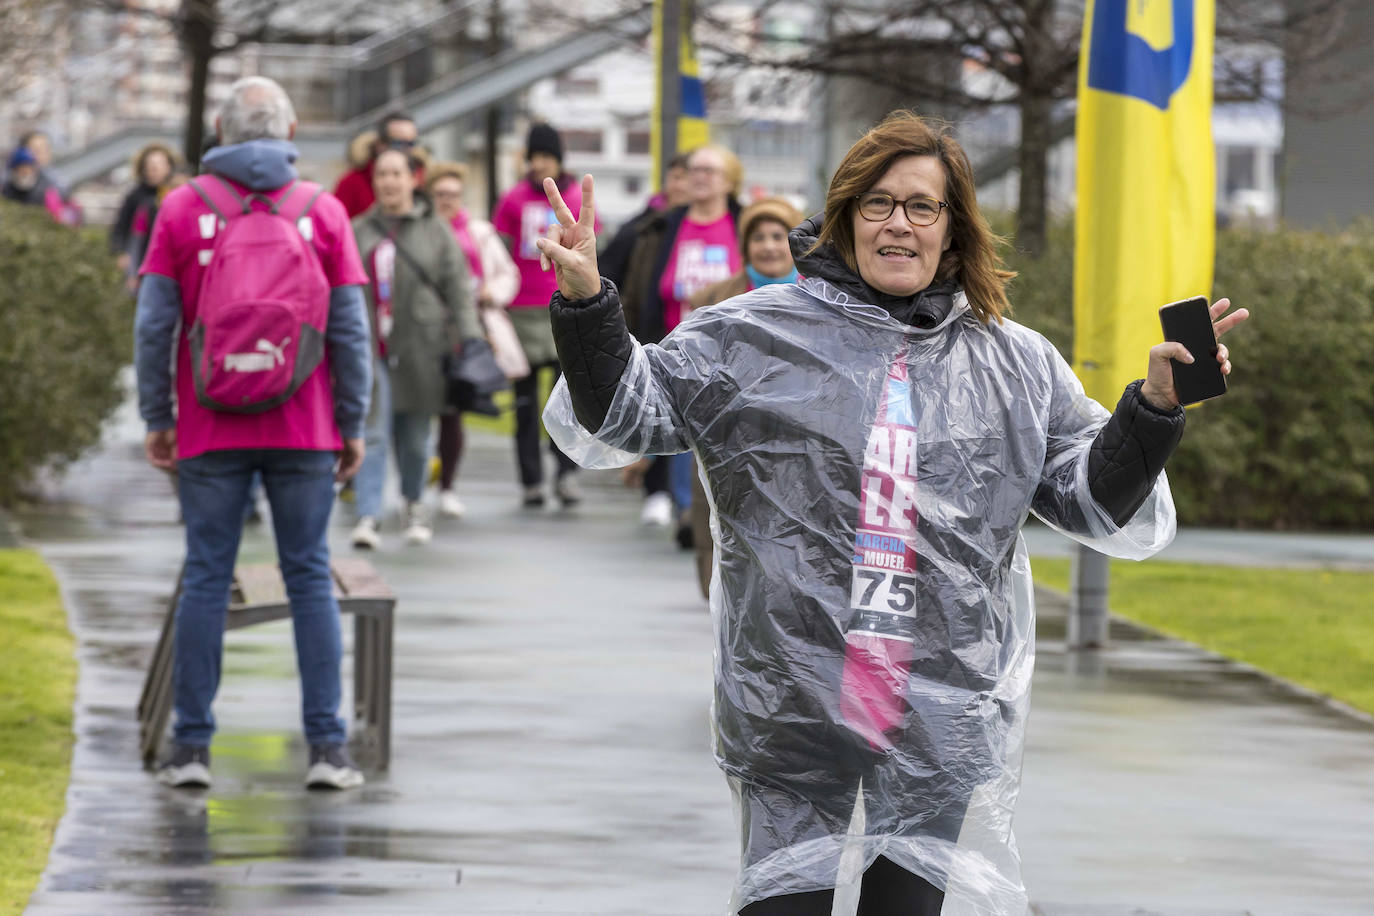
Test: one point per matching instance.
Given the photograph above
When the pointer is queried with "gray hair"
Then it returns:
(257, 109)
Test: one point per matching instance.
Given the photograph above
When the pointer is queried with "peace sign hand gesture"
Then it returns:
(570, 245)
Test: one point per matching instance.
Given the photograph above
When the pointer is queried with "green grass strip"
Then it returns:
(37, 684)
(1314, 627)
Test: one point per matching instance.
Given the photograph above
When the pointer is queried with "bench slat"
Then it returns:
(260, 583)
(354, 577)
(357, 579)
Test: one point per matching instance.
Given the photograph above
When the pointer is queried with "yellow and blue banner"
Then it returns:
(1145, 229)
(691, 127)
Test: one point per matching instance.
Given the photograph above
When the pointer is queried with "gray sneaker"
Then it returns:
(332, 768)
(567, 490)
(187, 767)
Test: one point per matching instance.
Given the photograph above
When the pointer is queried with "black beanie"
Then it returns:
(544, 139)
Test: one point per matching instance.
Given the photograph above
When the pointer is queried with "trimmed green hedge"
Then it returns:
(66, 328)
(1291, 445)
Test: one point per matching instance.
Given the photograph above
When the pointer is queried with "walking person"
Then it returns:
(28, 182)
(873, 438)
(678, 253)
(396, 130)
(43, 187)
(615, 257)
(420, 304)
(153, 168)
(763, 229)
(521, 217)
(494, 280)
(245, 232)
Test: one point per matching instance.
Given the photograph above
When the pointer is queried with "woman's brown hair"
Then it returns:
(972, 260)
(438, 171)
(157, 146)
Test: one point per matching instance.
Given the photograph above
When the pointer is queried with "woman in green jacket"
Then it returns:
(420, 303)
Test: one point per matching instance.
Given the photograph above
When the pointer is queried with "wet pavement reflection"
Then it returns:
(551, 748)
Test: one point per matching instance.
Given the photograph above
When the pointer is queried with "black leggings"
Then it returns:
(888, 890)
(450, 448)
(527, 429)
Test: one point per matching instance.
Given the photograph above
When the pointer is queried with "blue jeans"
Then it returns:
(300, 489)
(681, 469)
(370, 484)
(410, 433)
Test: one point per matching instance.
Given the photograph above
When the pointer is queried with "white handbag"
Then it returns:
(505, 343)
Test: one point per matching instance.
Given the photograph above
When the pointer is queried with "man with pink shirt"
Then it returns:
(299, 447)
(521, 217)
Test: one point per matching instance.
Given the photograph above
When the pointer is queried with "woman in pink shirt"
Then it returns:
(678, 254)
(495, 280)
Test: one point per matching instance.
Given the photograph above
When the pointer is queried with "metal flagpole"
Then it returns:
(1088, 605)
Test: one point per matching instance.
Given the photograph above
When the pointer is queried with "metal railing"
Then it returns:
(441, 101)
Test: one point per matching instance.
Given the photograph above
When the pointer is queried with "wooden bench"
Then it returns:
(259, 596)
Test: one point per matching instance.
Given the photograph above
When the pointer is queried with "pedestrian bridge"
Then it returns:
(445, 100)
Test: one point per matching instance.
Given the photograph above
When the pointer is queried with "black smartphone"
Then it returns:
(1190, 323)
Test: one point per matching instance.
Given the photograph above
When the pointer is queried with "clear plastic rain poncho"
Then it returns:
(871, 595)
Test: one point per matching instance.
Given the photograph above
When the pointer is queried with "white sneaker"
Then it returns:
(417, 528)
(450, 506)
(365, 535)
(332, 768)
(658, 510)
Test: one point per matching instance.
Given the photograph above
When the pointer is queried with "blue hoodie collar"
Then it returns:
(259, 165)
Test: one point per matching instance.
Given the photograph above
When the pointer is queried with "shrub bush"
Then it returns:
(1291, 445)
(66, 327)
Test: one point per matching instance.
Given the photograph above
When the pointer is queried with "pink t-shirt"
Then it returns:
(524, 214)
(703, 253)
(180, 248)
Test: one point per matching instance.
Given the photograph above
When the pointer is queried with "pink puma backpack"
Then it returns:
(260, 320)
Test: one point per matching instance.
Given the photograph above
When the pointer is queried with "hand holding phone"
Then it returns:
(1190, 323)
(1191, 366)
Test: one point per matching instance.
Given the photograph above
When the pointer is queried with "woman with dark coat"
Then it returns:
(678, 253)
(153, 169)
(763, 229)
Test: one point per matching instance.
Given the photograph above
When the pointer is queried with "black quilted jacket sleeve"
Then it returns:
(1130, 451)
(594, 347)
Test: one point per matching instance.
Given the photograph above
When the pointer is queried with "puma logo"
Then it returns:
(266, 357)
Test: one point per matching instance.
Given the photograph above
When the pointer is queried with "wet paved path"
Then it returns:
(551, 750)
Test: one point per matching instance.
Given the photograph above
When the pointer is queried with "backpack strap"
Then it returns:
(310, 193)
(220, 196)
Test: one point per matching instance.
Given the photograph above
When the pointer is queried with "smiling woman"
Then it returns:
(902, 213)
(871, 440)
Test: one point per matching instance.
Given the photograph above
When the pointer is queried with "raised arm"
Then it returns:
(618, 400)
(594, 346)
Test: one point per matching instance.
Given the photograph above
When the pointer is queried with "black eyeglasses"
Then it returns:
(400, 144)
(875, 206)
